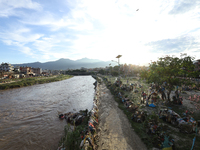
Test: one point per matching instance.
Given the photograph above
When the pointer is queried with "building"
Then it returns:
(62, 71)
(17, 68)
(55, 72)
(6, 67)
(46, 72)
(26, 70)
(37, 71)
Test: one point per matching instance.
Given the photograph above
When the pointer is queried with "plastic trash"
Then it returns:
(152, 105)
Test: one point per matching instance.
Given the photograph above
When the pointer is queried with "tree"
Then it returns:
(102, 71)
(144, 74)
(168, 69)
(115, 73)
(116, 68)
(187, 66)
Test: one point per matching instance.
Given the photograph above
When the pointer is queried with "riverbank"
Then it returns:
(32, 81)
(182, 140)
(115, 129)
(85, 134)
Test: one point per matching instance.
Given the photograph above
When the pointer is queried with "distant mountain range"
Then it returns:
(63, 64)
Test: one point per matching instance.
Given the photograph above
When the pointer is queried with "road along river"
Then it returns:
(29, 115)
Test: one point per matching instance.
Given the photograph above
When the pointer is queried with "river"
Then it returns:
(29, 115)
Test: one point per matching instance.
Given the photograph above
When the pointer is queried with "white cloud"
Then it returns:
(54, 46)
(20, 4)
(20, 47)
(26, 50)
(183, 6)
(8, 8)
(99, 29)
(19, 37)
(125, 31)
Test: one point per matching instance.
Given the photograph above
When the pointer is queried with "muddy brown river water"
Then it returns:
(29, 115)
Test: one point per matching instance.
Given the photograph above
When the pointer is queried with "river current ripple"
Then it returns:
(29, 115)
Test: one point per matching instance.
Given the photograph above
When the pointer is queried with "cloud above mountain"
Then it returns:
(32, 30)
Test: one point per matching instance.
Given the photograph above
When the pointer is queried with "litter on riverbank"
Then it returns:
(155, 132)
(115, 129)
(82, 131)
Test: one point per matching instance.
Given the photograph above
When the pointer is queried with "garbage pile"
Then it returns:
(169, 116)
(118, 82)
(178, 101)
(130, 106)
(150, 123)
(74, 118)
(139, 116)
(109, 84)
(158, 132)
(125, 87)
(118, 91)
(88, 134)
(186, 124)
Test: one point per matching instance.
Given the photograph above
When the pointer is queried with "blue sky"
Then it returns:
(47, 30)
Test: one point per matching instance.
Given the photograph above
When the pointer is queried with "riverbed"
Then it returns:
(29, 115)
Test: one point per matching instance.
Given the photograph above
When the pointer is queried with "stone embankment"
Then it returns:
(85, 127)
(107, 128)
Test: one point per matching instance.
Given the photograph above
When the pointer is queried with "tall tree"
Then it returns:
(168, 69)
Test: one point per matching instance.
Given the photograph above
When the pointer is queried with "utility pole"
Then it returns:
(118, 62)
(118, 65)
(110, 71)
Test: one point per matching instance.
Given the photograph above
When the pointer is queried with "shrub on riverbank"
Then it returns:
(72, 139)
(32, 81)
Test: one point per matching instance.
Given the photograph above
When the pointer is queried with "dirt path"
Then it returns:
(116, 132)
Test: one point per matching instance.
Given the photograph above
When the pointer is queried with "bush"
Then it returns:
(72, 139)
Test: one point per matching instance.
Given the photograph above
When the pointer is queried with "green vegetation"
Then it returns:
(79, 72)
(169, 69)
(183, 141)
(31, 81)
(125, 69)
(168, 72)
(139, 128)
(72, 139)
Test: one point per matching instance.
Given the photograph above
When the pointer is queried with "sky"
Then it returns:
(47, 30)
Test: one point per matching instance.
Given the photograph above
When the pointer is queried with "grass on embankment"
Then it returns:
(32, 81)
(72, 139)
(183, 141)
